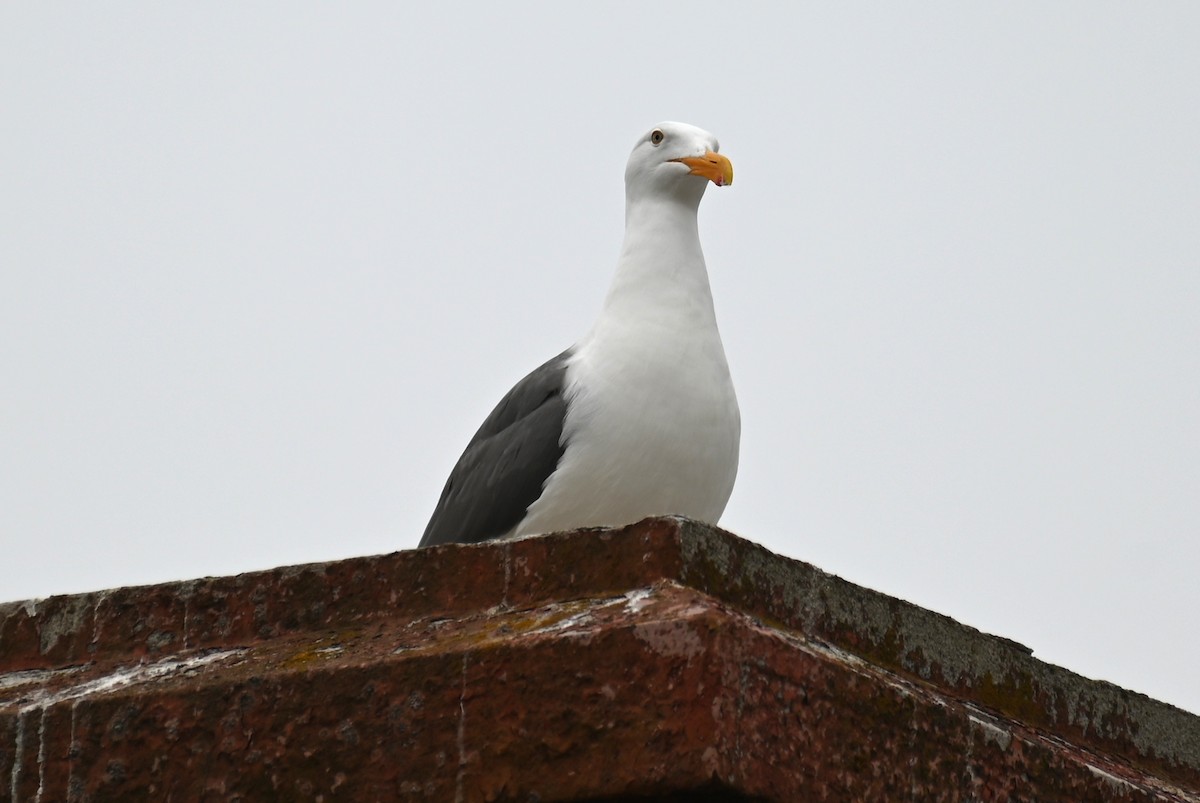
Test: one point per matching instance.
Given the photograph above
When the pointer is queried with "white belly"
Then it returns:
(652, 428)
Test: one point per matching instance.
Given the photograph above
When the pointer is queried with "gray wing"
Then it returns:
(505, 466)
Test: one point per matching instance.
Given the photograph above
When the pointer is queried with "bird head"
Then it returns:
(676, 159)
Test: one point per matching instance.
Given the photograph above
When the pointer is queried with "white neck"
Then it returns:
(661, 271)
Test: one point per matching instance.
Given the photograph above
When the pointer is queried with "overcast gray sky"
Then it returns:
(267, 266)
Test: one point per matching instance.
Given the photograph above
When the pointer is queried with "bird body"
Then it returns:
(639, 417)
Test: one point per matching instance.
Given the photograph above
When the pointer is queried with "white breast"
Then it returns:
(652, 428)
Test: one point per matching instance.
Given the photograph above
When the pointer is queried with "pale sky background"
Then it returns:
(267, 267)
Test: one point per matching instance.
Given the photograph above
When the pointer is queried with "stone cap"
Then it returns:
(664, 658)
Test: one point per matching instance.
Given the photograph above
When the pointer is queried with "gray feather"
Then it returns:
(506, 465)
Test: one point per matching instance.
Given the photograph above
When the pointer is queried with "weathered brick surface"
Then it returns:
(664, 659)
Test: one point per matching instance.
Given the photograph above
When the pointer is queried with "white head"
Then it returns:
(675, 160)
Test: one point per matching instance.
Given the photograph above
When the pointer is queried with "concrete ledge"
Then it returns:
(665, 658)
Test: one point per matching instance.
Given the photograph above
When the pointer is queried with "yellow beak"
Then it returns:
(713, 166)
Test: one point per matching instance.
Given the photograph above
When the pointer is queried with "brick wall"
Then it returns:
(664, 661)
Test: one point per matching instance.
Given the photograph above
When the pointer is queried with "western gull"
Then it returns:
(639, 418)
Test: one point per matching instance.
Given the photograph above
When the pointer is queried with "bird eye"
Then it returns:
(656, 137)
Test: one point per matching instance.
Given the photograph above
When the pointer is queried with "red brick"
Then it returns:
(666, 660)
